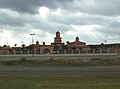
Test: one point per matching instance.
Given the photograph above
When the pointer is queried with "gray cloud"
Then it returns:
(30, 6)
(99, 7)
(103, 7)
(22, 17)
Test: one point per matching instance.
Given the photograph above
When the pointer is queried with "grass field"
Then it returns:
(58, 81)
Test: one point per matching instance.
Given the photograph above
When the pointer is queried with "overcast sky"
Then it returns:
(93, 21)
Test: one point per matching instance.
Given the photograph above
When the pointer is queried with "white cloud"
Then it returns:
(43, 11)
(70, 33)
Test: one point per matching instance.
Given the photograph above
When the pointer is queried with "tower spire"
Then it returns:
(57, 39)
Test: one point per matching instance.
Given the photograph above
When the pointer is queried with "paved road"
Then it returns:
(66, 70)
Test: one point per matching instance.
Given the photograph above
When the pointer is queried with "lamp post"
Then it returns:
(32, 44)
(32, 37)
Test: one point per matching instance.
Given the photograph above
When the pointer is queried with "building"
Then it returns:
(55, 47)
(105, 48)
(57, 44)
(42, 49)
(77, 46)
(58, 47)
(7, 50)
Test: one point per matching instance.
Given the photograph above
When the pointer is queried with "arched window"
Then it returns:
(46, 51)
(38, 51)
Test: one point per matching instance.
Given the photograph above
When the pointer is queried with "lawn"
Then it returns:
(60, 81)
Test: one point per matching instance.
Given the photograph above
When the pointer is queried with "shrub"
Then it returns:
(23, 60)
(10, 63)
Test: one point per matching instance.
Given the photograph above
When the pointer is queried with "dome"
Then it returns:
(57, 32)
(77, 38)
(37, 42)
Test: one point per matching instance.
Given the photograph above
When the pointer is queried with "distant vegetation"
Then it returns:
(51, 62)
